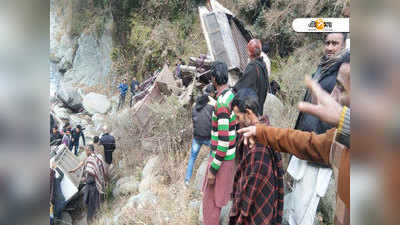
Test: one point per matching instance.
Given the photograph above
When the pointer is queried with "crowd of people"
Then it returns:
(245, 165)
(96, 165)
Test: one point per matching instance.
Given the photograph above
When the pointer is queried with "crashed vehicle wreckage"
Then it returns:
(226, 40)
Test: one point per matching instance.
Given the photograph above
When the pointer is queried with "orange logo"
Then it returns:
(320, 24)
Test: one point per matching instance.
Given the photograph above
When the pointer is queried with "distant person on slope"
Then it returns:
(77, 133)
(123, 88)
(134, 87)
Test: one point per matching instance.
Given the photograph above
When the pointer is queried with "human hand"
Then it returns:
(248, 133)
(210, 178)
(71, 171)
(326, 108)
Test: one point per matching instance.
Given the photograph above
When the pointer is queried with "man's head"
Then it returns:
(219, 73)
(334, 43)
(105, 129)
(96, 139)
(254, 48)
(341, 92)
(245, 105)
(68, 131)
(209, 90)
(124, 81)
(78, 128)
(89, 150)
(54, 130)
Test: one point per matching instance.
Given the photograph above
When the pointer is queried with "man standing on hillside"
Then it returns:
(218, 180)
(134, 87)
(255, 75)
(201, 117)
(311, 180)
(258, 184)
(123, 88)
(108, 142)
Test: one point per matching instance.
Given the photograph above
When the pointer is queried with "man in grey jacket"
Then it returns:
(201, 116)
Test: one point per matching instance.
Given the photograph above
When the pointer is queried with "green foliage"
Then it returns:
(274, 24)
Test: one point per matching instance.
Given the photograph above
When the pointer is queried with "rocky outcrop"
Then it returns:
(96, 103)
(92, 61)
(273, 107)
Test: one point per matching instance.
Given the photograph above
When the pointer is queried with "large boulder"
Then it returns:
(96, 103)
(273, 107)
(61, 113)
(201, 172)
(125, 186)
(70, 96)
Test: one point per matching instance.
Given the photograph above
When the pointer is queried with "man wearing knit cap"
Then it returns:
(255, 75)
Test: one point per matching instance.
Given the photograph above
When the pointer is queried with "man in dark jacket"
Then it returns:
(134, 87)
(55, 136)
(326, 76)
(57, 199)
(108, 142)
(201, 116)
(314, 174)
(255, 75)
(76, 134)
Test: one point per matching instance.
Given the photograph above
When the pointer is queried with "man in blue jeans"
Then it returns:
(201, 116)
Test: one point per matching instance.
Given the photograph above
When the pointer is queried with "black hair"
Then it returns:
(91, 148)
(79, 127)
(344, 34)
(209, 89)
(246, 99)
(219, 70)
(96, 139)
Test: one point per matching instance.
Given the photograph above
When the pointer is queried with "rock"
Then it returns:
(150, 167)
(194, 205)
(223, 218)
(98, 121)
(201, 172)
(327, 204)
(273, 107)
(70, 97)
(125, 186)
(65, 219)
(92, 61)
(82, 220)
(145, 184)
(141, 200)
(96, 103)
(78, 119)
(61, 113)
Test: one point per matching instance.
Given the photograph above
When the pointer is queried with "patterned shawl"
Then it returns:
(94, 166)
